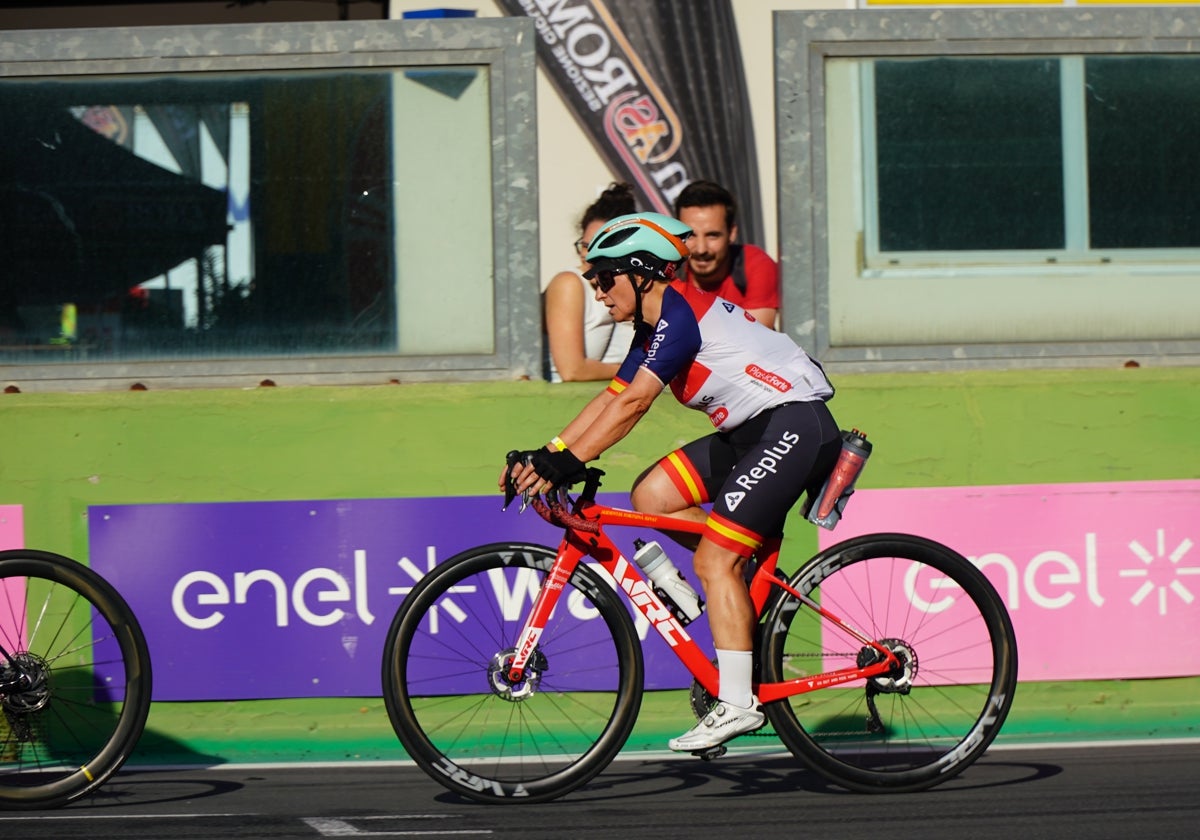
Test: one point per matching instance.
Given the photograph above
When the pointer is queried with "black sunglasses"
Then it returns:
(605, 280)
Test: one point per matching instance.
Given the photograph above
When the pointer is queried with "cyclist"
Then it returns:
(775, 437)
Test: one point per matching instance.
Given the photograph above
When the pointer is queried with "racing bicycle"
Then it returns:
(513, 671)
(75, 680)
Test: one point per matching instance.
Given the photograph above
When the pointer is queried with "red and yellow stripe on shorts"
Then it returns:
(731, 535)
(685, 478)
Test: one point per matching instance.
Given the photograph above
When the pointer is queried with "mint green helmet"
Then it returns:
(649, 245)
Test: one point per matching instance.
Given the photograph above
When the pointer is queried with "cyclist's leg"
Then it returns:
(731, 619)
(682, 481)
(781, 453)
(753, 476)
(678, 485)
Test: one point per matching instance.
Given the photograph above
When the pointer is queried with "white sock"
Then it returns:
(737, 671)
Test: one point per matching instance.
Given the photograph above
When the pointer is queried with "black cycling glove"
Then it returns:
(560, 468)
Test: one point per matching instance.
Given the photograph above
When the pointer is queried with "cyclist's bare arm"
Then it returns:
(582, 420)
(586, 417)
(601, 423)
(609, 417)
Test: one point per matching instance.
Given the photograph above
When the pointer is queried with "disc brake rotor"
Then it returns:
(505, 688)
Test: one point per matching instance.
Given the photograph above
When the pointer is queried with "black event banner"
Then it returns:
(659, 86)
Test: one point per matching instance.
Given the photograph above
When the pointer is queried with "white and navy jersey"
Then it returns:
(716, 358)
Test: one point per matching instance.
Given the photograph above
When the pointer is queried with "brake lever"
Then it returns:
(563, 497)
(510, 489)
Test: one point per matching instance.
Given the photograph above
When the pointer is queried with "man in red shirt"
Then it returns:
(742, 274)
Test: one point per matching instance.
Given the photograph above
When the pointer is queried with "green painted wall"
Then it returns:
(64, 452)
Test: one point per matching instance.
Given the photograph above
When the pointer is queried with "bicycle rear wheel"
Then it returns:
(76, 680)
(929, 719)
(452, 706)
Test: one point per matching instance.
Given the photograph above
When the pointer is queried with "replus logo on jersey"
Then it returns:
(768, 464)
(767, 378)
(730, 308)
(659, 334)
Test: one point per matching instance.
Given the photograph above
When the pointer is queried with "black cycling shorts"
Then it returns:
(754, 474)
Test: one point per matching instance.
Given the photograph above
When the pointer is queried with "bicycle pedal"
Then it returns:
(711, 753)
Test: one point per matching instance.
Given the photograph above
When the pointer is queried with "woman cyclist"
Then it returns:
(775, 437)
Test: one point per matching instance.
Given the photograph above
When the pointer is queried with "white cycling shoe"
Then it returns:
(723, 722)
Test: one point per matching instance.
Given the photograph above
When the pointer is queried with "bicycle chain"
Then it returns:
(786, 657)
(770, 733)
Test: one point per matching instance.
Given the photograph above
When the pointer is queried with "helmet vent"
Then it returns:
(618, 236)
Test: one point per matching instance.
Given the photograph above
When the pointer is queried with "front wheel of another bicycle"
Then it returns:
(948, 695)
(450, 698)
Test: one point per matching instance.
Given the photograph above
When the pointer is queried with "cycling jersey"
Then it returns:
(716, 358)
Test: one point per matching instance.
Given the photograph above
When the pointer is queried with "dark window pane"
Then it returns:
(214, 215)
(1143, 121)
(96, 219)
(969, 154)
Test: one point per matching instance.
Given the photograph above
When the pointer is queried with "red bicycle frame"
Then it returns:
(585, 537)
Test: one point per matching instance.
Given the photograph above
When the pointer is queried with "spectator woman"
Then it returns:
(585, 343)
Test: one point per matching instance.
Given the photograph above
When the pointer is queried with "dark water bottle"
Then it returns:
(827, 508)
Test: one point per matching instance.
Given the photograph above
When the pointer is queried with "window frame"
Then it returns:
(805, 42)
(504, 45)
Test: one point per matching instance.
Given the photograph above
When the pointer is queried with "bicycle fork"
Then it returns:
(543, 605)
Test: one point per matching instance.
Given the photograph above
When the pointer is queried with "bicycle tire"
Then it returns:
(455, 714)
(936, 715)
(89, 680)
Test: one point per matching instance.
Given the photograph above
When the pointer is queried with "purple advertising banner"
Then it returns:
(245, 600)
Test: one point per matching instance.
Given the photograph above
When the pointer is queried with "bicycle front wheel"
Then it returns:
(932, 715)
(75, 677)
(452, 705)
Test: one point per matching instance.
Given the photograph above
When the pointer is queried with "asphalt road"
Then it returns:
(1116, 792)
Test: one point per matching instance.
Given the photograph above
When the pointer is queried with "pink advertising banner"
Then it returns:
(12, 535)
(1101, 580)
(12, 527)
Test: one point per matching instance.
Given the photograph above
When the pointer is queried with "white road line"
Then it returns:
(61, 817)
(643, 755)
(341, 827)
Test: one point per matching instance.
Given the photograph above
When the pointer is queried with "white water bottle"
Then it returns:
(668, 581)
